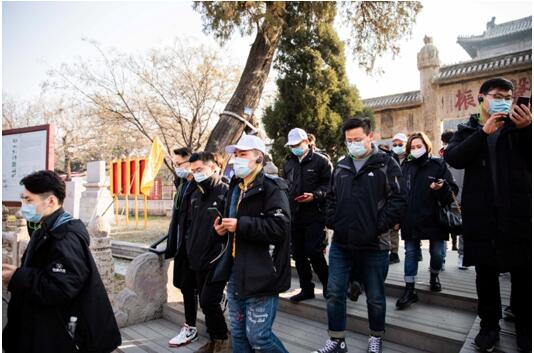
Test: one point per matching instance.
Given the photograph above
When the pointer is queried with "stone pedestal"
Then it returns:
(99, 230)
(145, 292)
(73, 196)
(96, 198)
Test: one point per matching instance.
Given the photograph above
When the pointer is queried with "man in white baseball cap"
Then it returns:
(308, 174)
(256, 261)
(398, 146)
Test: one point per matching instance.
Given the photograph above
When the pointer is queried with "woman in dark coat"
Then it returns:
(429, 184)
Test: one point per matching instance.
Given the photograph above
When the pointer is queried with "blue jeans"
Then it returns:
(413, 249)
(251, 322)
(373, 268)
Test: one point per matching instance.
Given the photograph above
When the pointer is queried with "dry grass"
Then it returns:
(157, 227)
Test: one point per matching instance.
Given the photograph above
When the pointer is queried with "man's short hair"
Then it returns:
(499, 82)
(43, 182)
(182, 151)
(446, 136)
(354, 123)
(311, 138)
(203, 156)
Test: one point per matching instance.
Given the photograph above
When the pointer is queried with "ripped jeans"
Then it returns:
(251, 322)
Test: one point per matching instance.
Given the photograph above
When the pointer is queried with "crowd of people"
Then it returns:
(238, 228)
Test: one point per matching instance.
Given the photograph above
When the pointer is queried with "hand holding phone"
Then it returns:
(301, 198)
(214, 212)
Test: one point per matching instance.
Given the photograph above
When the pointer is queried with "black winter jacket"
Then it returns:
(496, 202)
(421, 218)
(312, 175)
(59, 279)
(362, 206)
(261, 266)
(202, 242)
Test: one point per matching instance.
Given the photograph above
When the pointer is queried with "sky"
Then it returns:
(39, 36)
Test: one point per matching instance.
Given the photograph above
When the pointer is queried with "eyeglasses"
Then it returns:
(498, 96)
(397, 145)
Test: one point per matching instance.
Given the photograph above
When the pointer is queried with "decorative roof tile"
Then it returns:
(482, 66)
(500, 30)
(400, 100)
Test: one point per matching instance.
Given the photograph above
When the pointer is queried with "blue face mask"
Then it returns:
(30, 213)
(200, 177)
(241, 168)
(499, 106)
(298, 151)
(356, 149)
(181, 172)
(398, 149)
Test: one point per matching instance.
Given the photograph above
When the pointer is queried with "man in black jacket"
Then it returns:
(58, 301)
(183, 276)
(255, 262)
(308, 174)
(203, 247)
(495, 149)
(365, 200)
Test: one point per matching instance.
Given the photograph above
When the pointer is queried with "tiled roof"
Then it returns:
(400, 100)
(501, 30)
(493, 31)
(482, 66)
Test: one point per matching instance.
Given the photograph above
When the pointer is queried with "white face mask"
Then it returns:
(181, 172)
(418, 152)
(398, 149)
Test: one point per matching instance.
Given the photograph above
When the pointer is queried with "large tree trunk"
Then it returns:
(248, 92)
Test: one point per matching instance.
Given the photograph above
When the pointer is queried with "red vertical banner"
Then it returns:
(115, 178)
(142, 166)
(156, 192)
(134, 177)
(125, 179)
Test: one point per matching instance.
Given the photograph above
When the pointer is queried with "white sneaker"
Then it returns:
(187, 335)
(461, 263)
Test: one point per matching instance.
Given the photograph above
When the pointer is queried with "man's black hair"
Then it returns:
(499, 82)
(183, 151)
(45, 181)
(446, 136)
(355, 123)
(203, 156)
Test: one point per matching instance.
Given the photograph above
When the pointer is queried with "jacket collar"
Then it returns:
(49, 221)
(255, 187)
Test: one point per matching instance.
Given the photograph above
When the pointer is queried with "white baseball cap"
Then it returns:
(296, 136)
(400, 136)
(247, 143)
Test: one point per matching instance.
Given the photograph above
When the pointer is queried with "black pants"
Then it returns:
(210, 296)
(307, 246)
(489, 297)
(189, 293)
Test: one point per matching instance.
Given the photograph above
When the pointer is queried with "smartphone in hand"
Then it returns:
(523, 100)
(301, 198)
(214, 212)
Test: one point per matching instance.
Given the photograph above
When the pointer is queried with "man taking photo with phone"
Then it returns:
(495, 149)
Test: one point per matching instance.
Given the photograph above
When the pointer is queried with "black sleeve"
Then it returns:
(461, 152)
(325, 172)
(331, 201)
(396, 203)
(60, 280)
(273, 226)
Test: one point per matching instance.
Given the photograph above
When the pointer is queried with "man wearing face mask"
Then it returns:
(203, 247)
(365, 200)
(495, 149)
(58, 301)
(256, 261)
(183, 277)
(398, 147)
(308, 174)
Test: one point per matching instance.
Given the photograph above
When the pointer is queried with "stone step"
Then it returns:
(298, 334)
(423, 326)
(459, 291)
(506, 343)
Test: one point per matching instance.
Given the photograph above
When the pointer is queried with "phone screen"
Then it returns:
(523, 100)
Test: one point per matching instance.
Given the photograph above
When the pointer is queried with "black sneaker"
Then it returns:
(333, 345)
(486, 339)
(394, 258)
(507, 314)
(303, 295)
(355, 290)
(374, 345)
